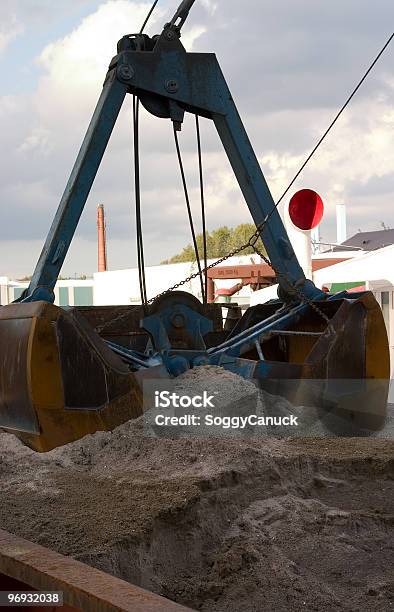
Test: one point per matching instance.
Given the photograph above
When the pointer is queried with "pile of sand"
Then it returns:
(252, 523)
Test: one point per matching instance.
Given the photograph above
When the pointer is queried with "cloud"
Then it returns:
(289, 65)
(38, 14)
(10, 28)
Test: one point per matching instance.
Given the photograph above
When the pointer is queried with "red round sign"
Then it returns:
(306, 209)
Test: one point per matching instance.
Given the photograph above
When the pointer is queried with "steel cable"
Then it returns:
(137, 189)
(189, 211)
(203, 215)
(148, 16)
(333, 122)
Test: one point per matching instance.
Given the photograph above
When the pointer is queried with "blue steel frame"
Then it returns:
(169, 81)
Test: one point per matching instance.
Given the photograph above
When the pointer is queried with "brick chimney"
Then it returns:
(102, 242)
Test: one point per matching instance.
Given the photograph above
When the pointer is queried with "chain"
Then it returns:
(195, 274)
(251, 243)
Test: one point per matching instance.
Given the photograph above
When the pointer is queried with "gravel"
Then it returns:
(222, 524)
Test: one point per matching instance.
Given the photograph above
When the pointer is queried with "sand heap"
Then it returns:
(251, 523)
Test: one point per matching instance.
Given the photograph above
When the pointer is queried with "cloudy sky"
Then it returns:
(290, 66)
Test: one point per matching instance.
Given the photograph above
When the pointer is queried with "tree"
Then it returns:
(219, 243)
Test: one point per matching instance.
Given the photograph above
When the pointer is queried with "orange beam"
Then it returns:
(253, 274)
(256, 271)
(84, 588)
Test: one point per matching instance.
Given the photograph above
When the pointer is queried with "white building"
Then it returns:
(122, 286)
(373, 270)
(70, 292)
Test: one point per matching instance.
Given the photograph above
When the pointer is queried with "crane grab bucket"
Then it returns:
(68, 372)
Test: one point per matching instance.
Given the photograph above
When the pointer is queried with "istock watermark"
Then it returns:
(225, 422)
(226, 407)
(168, 399)
(172, 411)
(253, 420)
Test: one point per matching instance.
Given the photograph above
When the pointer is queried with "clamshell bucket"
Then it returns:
(58, 380)
(341, 366)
